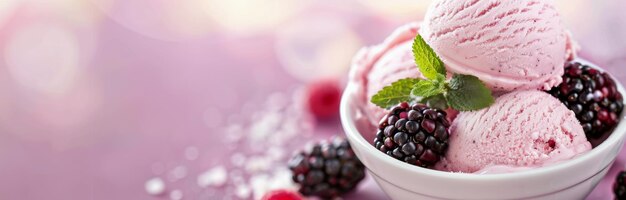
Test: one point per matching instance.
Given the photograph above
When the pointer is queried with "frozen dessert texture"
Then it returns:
(509, 45)
(571, 47)
(378, 66)
(516, 48)
(521, 130)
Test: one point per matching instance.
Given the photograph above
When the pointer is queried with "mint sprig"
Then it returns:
(462, 92)
(397, 92)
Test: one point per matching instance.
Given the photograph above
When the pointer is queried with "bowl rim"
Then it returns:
(358, 140)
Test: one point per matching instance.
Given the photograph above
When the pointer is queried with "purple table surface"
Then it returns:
(97, 97)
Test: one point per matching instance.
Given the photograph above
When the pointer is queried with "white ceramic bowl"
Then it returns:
(572, 179)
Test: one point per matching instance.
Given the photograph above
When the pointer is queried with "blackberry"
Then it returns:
(327, 169)
(593, 97)
(415, 134)
(619, 186)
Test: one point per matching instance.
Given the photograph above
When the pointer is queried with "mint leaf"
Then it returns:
(468, 93)
(397, 92)
(427, 88)
(437, 101)
(426, 59)
(441, 78)
(462, 92)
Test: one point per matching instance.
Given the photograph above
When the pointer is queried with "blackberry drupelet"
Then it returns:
(327, 169)
(619, 186)
(593, 96)
(415, 134)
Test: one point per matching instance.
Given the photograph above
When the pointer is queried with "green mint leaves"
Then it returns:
(397, 92)
(468, 93)
(462, 92)
(426, 59)
(428, 88)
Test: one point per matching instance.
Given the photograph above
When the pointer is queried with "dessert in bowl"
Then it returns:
(570, 179)
(475, 103)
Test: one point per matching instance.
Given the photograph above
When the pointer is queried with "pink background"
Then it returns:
(99, 96)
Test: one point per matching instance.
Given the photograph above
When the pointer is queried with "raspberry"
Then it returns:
(592, 95)
(327, 169)
(282, 195)
(323, 98)
(619, 186)
(416, 134)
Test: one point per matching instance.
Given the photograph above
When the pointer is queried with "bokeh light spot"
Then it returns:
(401, 10)
(43, 57)
(161, 19)
(316, 47)
(7, 7)
(252, 16)
(79, 13)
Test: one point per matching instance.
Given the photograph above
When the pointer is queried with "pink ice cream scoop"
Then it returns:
(509, 45)
(378, 66)
(521, 130)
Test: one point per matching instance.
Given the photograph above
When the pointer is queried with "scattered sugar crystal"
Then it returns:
(256, 148)
(276, 101)
(287, 134)
(192, 153)
(275, 153)
(234, 129)
(276, 141)
(262, 183)
(258, 164)
(242, 191)
(281, 180)
(176, 195)
(233, 138)
(216, 176)
(267, 124)
(234, 133)
(264, 131)
(236, 176)
(258, 183)
(238, 159)
(155, 186)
